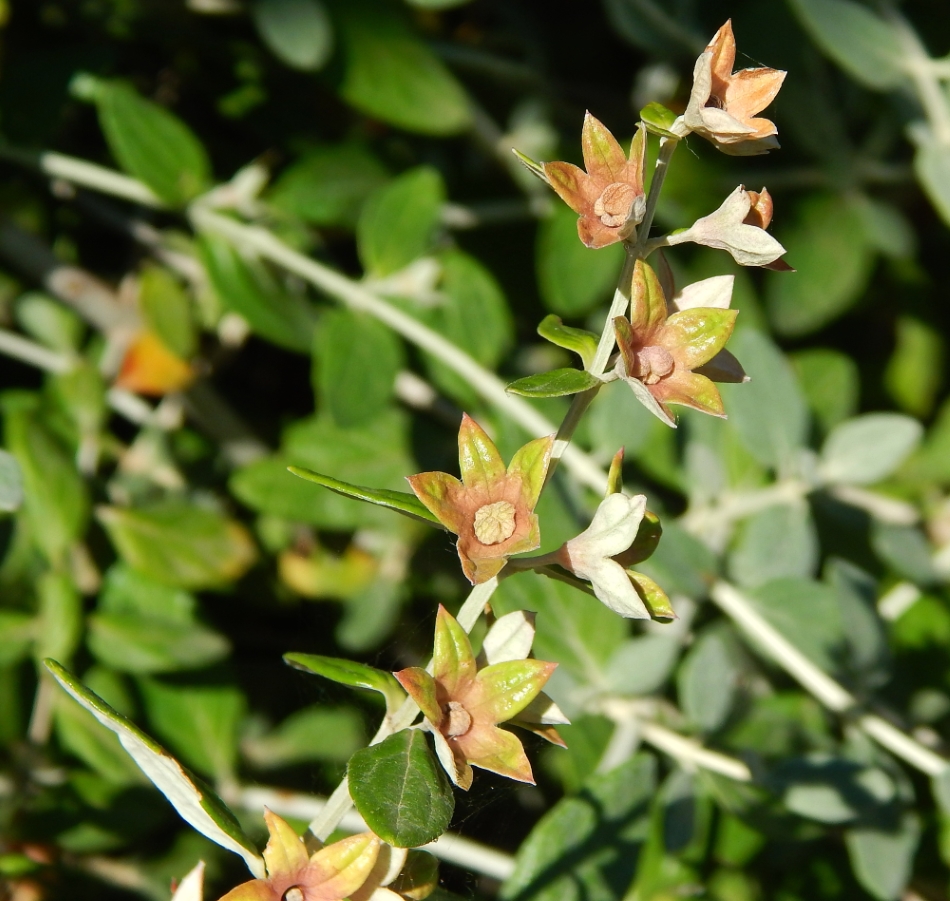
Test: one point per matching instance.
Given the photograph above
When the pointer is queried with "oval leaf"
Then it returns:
(197, 804)
(150, 143)
(868, 448)
(555, 383)
(390, 74)
(401, 790)
(298, 32)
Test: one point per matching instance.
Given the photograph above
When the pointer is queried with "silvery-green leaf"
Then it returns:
(868, 448)
(196, 803)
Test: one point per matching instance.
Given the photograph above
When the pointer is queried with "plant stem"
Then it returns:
(825, 689)
(486, 383)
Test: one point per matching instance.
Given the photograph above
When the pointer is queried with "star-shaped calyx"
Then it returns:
(492, 508)
(660, 348)
(723, 104)
(463, 703)
(333, 873)
(609, 196)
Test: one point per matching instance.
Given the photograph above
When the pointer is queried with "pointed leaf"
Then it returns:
(401, 791)
(868, 448)
(578, 340)
(149, 142)
(658, 119)
(351, 673)
(195, 802)
(247, 288)
(400, 501)
(556, 383)
(654, 598)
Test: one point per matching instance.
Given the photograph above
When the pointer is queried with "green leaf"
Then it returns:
(658, 119)
(831, 383)
(351, 673)
(81, 735)
(868, 448)
(56, 502)
(572, 628)
(400, 501)
(135, 643)
(573, 279)
(883, 860)
(355, 365)
(932, 167)
(195, 802)
(310, 735)
(179, 544)
(556, 383)
(11, 483)
(167, 311)
(906, 549)
(401, 791)
(807, 614)
(617, 419)
(17, 631)
(59, 622)
(199, 719)
(869, 651)
(151, 143)
(328, 185)
(49, 321)
(388, 73)
(642, 665)
(248, 289)
(828, 245)
(578, 340)
(298, 32)
(588, 846)
(398, 221)
(769, 412)
(831, 789)
(707, 681)
(864, 44)
(915, 370)
(753, 560)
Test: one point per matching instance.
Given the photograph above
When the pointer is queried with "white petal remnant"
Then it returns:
(589, 555)
(727, 229)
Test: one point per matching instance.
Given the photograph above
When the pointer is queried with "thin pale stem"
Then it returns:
(825, 689)
(26, 351)
(486, 383)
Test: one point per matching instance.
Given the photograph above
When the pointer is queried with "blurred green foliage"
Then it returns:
(161, 549)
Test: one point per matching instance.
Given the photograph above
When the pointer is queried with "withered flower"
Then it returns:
(738, 227)
(464, 703)
(609, 196)
(723, 104)
(492, 508)
(659, 351)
